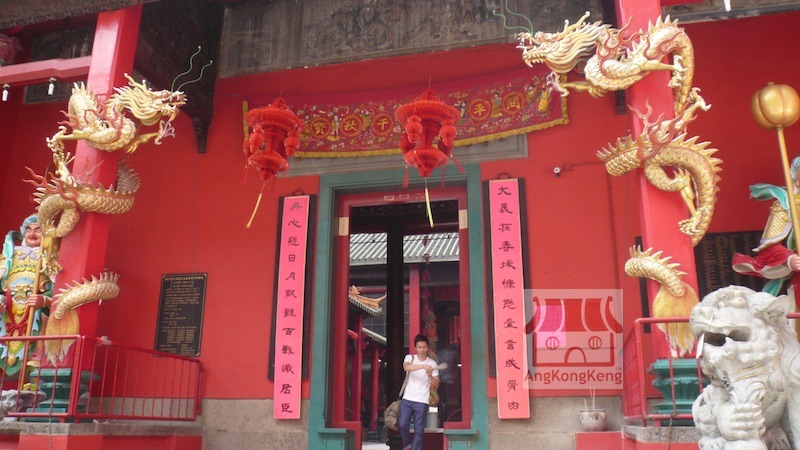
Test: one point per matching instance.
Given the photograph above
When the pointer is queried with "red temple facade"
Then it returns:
(368, 222)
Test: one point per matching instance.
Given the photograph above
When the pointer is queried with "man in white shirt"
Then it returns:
(422, 376)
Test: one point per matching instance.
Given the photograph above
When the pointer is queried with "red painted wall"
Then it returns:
(734, 60)
(192, 208)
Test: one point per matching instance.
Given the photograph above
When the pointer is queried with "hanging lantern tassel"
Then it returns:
(258, 203)
(425, 118)
(428, 204)
(275, 137)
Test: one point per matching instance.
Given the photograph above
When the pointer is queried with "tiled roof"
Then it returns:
(368, 249)
(374, 336)
(373, 311)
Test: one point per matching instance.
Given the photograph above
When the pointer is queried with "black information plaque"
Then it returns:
(713, 260)
(180, 313)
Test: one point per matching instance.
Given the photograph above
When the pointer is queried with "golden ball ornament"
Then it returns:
(775, 106)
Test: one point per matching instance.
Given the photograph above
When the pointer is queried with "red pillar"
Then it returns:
(373, 404)
(660, 211)
(356, 375)
(83, 251)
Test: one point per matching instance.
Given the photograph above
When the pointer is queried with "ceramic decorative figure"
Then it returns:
(24, 291)
(776, 107)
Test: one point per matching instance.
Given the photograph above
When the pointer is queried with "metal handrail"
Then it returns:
(108, 381)
(635, 399)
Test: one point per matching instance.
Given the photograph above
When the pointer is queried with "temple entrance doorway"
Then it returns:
(395, 276)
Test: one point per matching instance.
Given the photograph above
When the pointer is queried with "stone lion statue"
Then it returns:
(750, 354)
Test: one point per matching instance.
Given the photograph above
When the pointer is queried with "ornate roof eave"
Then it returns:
(16, 13)
(372, 311)
(373, 336)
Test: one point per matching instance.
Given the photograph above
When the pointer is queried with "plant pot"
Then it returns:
(593, 419)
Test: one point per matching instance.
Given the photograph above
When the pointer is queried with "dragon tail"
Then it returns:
(675, 298)
(679, 334)
(55, 350)
(670, 38)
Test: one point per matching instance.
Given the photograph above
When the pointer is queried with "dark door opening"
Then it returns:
(396, 277)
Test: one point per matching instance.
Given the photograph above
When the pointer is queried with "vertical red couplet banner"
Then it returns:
(513, 401)
(290, 294)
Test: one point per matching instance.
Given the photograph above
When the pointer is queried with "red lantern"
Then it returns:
(426, 118)
(275, 137)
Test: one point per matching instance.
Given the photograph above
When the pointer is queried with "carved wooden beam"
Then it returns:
(15, 12)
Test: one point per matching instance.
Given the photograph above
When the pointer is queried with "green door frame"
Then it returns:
(320, 437)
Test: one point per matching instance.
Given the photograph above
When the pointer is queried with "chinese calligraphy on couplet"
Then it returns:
(513, 401)
(290, 295)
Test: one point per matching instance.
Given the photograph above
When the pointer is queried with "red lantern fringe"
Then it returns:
(274, 138)
(426, 118)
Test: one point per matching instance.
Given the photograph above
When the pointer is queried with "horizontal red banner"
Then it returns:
(507, 104)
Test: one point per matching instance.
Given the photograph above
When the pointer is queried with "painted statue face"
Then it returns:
(33, 235)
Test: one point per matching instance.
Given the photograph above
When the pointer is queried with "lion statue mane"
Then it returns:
(750, 354)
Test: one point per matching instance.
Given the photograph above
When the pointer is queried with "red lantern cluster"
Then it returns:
(275, 137)
(426, 118)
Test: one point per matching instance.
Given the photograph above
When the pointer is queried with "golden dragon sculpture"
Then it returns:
(63, 318)
(62, 196)
(106, 126)
(61, 199)
(610, 61)
(675, 298)
(665, 144)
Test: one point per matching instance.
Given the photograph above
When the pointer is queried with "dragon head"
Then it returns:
(147, 105)
(564, 50)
